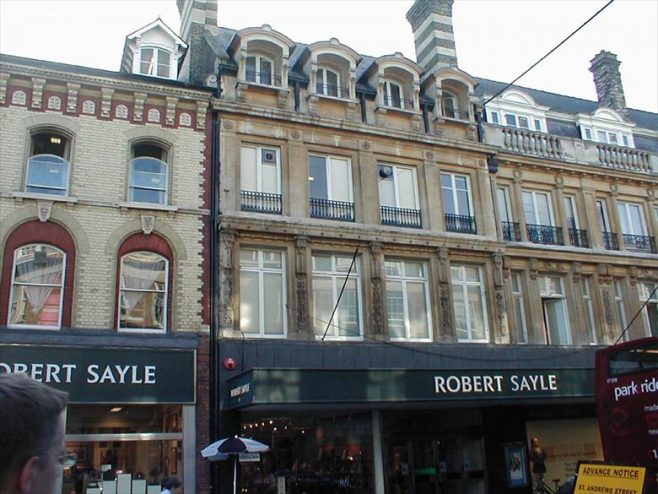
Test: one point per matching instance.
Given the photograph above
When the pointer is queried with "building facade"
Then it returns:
(103, 221)
(416, 266)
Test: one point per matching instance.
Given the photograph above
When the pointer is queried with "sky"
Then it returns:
(495, 39)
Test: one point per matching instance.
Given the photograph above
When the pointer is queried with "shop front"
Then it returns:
(131, 418)
(410, 431)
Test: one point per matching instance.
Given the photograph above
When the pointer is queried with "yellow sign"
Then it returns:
(599, 478)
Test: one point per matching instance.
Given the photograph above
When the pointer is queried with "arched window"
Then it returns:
(155, 62)
(143, 291)
(37, 287)
(48, 166)
(149, 173)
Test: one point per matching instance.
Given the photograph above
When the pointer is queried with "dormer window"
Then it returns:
(518, 110)
(394, 96)
(450, 108)
(607, 127)
(328, 83)
(48, 166)
(155, 62)
(260, 70)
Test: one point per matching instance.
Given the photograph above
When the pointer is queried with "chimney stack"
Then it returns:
(607, 79)
(199, 12)
(431, 22)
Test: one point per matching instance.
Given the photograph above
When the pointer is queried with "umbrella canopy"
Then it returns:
(219, 450)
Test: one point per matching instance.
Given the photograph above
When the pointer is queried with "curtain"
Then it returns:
(39, 275)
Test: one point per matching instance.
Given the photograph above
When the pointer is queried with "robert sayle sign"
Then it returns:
(609, 479)
(107, 375)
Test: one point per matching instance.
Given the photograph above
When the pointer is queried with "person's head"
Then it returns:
(534, 442)
(174, 484)
(32, 419)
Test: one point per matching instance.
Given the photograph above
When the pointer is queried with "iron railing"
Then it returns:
(402, 103)
(610, 241)
(460, 223)
(640, 243)
(332, 90)
(545, 234)
(260, 202)
(578, 238)
(266, 78)
(511, 231)
(332, 210)
(400, 217)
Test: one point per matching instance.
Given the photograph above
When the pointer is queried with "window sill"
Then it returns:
(262, 86)
(339, 99)
(142, 331)
(30, 327)
(462, 121)
(404, 111)
(45, 197)
(147, 205)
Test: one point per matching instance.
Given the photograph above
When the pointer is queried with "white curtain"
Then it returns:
(139, 273)
(39, 276)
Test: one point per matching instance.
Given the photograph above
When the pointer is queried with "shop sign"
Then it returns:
(270, 386)
(249, 457)
(609, 479)
(107, 375)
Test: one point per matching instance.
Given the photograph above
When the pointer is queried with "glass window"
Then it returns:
(556, 318)
(330, 274)
(328, 82)
(537, 208)
(494, 117)
(450, 108)
(393, 95)
(588, 133)
(330, 178)
(155, 62)
(456, 194)
(397, 186)
(648, 292)
(48, 166)
(504, 207)
(469, 302)
(148, 174)
(571, 212)
(589, 310)
(631, 217)
(259, 169)
(519, 309)
(407, 300)
(621, 309)
(37, 287)
(523, 123)
(143, 292)
(259, 69)
(262, 292)
(510, 119)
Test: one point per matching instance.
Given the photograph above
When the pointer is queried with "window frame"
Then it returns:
(626, 219)
(553, 296)
(261, 271)
(155, 63)
(396, 187)
(588, 300)
(65, 159)
(535, 210)
(387, 97)
(404, 279)
(165, 152)
(620, 307)
(61, 285)
(463, 284)
(337, 278)
(259, 166)
(322, 89)
(329, 160)
(516, 288)
(258, 72)
(447, 96)
(644, 289)
(455, 192)
(166, 291)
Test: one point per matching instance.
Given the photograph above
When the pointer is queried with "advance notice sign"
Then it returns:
(603, 478)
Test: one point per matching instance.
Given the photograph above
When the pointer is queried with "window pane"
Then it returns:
(417, 309)
(163, 63)
(529, 208)
(414, 269)
(406, 188)
(249, 302)
(146, 61)
(340, 180)
(523, 123)
(501, 194)
(460, 312)
(510, 120)
(143, 291)
(272, 259)
(395, 309)
(37, 286)
(494, 117)
(248, 257)
(543, 209)
(47, 174)
(476, 313)
(323, 304)
(269, 181)
(248, 175)
(273, 303)
(393, 268)
(386, 190)
(322, 263)
(317, 177)
(348, 310)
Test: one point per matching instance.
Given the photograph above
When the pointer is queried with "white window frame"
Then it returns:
(258, 73)
(586, 292)
(604, 219)
(259, 166)
(261, 271)
(618, 294)
(396, 188)
(165, 291)
(45, 159)
(504, 204)
(626, 223)
(337, 278)
(155, 62)
(536, 220)
(132, 187)
(61, 286)
(404, 279)
(455, 192)
(463, 284)
(387, 97)
(644, 289)
(571, 211)
(329, 161)
(519, 308)
(446, 97)
(548, 295)
(323, 89)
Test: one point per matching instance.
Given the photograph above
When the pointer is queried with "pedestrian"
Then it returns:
(32, 427)
(537, 463)
(172, 485)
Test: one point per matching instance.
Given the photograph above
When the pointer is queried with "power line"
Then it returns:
(551, 51)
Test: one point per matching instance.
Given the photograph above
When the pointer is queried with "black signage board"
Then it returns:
(292, 386)
(108, 375)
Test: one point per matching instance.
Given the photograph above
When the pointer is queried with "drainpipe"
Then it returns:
(296, 86)
(426, 119)
(214, 280)
(364, 116)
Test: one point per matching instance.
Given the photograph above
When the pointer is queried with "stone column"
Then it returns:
(370, 189)
(433, 213)
(447, 331)
(295, 193)
(560, 216)
(376, 286)
(501, 333)
(517, 204)
(228, 266)
(592, 218)
(613, 216)
(229, 195)
(302, 254)
(487, 225)
(607, 323)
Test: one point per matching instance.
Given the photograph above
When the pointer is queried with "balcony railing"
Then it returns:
(578, 238)
(624, 158)
(511, 231)
(332, 210)
(409, 218)
(529, 142)
(545, 234)
(460, 223)
(332, 90)
(640, 243)
(260, 202)
(402, 103)
(266, 78)
(610, 241)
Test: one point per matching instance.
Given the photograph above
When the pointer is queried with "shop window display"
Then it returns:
(311, 455)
